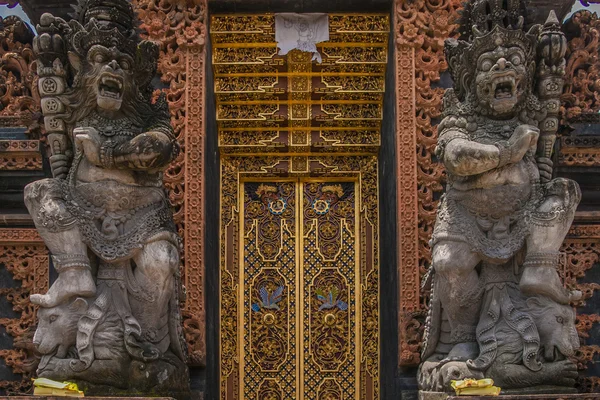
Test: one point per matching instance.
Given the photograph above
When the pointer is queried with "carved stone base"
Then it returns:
(540, 396)
(86, 397)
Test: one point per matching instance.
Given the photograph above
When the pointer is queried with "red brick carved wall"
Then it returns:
(421, 28)
(180, 28)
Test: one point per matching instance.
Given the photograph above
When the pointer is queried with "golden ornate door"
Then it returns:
(299, 240)
(301, 300)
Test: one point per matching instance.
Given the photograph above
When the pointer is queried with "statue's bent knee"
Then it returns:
(159, 257)
(46, 206)
(453, 258)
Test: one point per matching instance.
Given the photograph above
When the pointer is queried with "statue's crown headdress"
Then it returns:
(112, 13)
(110, 23)
(482, 16)
(484, 26)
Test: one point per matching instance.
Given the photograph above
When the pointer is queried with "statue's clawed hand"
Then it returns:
(545, 166)
(141, 152)
(88, 141)
(59, 164)
(522, 140)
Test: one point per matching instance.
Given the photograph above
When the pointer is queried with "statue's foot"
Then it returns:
(544, 280)
(464, 351)
(70, 282)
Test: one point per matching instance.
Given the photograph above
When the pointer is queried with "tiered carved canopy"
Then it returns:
(269, 104)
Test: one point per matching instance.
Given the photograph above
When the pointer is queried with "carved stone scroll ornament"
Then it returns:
(582, 83)
(498, 308)
(111, 321)
(19, 97)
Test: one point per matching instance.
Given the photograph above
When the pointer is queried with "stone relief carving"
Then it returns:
(111, 321)
(498, 308)
(19, 97)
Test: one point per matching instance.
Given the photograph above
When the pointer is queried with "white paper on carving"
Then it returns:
(301, 32)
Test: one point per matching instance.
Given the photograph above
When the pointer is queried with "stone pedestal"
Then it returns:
(565, 396)
(86, 397)
(590, 396)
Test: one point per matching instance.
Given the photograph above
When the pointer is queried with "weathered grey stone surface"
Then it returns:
(111, 320)
(498, 307)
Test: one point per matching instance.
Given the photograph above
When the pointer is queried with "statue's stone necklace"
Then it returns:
(493, 129)
(110, 127)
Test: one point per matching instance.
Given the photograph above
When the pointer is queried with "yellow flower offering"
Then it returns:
(48, 387)
(474, 387)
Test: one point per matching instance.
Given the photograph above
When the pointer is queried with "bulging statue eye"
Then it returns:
(99, 58)
(53, 318)
(486, 65)
(559, 319)
(124, 64)
(515, 60)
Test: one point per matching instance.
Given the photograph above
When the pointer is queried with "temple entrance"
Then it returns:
(301, 304)
(298, 140)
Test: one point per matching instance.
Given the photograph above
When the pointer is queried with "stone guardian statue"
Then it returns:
(498, 307)
(111, 320)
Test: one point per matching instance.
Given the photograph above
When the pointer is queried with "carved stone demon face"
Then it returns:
(111, 76)
(500, 80)
(56, 332)
(556, 326)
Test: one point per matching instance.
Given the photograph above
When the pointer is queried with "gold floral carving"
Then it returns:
(179, 26)
(269, 104)
(259, 194)
(579, 151)
(24, 256)
(581, 252)
(421, 28)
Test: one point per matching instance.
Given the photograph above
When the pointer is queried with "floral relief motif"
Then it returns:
(269, 289)
(24, 256)
(582, 73)
(269, 324)
(19, 96)
(329, 320)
